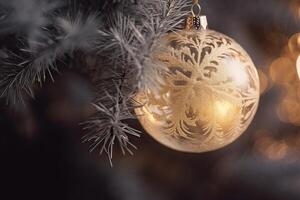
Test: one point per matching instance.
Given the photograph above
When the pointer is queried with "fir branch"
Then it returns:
(129, 42)
(26, 16)
(38, 59)
(79, 32)
(125, 1)
(134, 39)
(108, 126)
(19, 75)
(126, 41)
(159, 17)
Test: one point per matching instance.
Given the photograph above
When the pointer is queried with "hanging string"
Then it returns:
(196, 8)
(196, 21)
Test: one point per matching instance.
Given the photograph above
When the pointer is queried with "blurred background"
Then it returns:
(42, 157)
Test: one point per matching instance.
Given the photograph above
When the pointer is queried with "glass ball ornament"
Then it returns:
(209, 94)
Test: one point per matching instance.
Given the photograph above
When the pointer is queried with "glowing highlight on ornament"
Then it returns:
(225, 112)
(237, 71)
(150, 115)
(223, 108)
(168, 95)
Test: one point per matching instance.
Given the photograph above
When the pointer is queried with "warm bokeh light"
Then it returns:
(298, 66)
(264, 81)
(268, 147)
(285, 72)
(271, 148)
(282, 71)
(294, 45)
(295, 7)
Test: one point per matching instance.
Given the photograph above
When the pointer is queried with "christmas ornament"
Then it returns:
(210, 91)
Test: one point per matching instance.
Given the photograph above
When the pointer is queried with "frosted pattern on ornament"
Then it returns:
(209, 96)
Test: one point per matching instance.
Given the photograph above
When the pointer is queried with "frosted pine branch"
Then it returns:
(79, 32)
(134, 38)
(107, 127)
(19, 75)
(129, 42)
(123, 41)
(26, 17)
(37, 59)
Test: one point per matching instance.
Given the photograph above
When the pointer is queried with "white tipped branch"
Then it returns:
(107, 127)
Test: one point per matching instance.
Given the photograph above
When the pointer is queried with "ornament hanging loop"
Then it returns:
(196, 21)
(196, 10)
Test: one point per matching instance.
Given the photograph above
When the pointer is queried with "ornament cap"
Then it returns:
(196, 23)
(203, 22)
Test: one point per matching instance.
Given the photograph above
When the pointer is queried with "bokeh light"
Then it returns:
(285, 73)
(264, 81)
(298, 66)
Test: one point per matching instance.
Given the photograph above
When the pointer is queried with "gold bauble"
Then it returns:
(209, 95)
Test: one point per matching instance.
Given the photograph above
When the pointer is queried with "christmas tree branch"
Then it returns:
(107, 126)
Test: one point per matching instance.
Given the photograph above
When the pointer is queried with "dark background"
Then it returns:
(42, 157)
